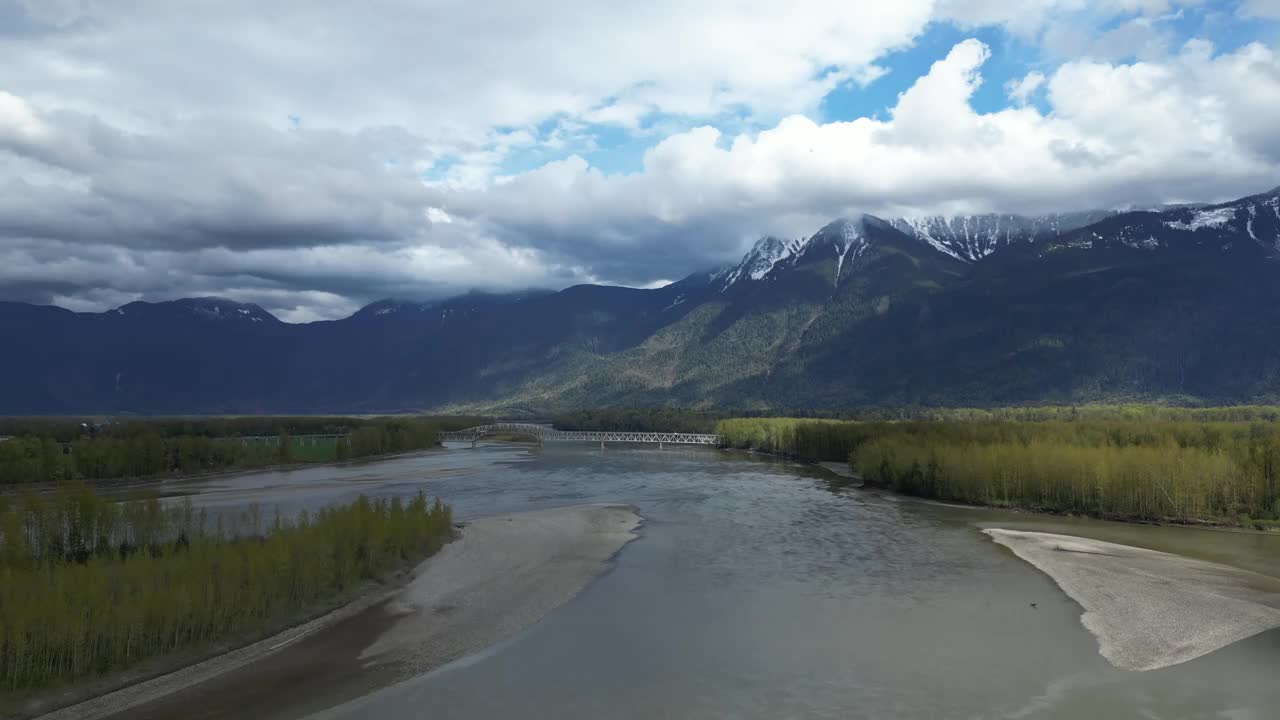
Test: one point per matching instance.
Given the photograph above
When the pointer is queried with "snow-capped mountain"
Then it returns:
(384, 308)
(1248, 225)
(967, 238)
(759, 260)
(843, 239)
(970, 238)
(973, 237)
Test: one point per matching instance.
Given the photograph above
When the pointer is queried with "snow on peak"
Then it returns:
(929, 227)
(846, 237)
(383, 308)
(216, 308)
(763, 257)
(1214, 218)
(972, 237)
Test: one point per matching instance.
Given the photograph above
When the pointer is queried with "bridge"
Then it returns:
(546, 434)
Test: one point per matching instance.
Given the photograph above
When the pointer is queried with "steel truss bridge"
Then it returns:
(545, 434)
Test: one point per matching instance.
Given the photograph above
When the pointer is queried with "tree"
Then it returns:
(284, 451)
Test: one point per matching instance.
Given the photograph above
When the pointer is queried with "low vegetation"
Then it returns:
(59, 450)
(88, 586)
(1156, 464)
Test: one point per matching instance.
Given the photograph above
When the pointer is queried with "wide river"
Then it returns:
(756, 591)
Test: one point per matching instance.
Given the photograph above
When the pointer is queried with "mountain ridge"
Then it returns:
(1179, 304)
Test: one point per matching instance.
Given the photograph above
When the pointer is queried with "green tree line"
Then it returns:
(1154, 469)
(89, 587)
(140, 450)
(67, 429)
(705, 420)
(638, 420)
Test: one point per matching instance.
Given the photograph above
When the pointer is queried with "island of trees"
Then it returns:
(90, 586)
(1156, 464)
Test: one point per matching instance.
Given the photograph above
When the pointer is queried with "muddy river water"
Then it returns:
(756, 591)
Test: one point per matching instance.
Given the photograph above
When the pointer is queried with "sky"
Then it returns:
(315, 157)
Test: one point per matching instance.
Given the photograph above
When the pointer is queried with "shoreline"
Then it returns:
(842, 471)
(498, 577)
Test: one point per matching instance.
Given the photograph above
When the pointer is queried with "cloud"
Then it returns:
(449, 69)
(312, 159)
(1193, 127)
(1021, 90)
(1260, 9)
(1029, 18)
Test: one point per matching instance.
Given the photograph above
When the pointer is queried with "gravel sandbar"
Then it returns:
(1150, 609)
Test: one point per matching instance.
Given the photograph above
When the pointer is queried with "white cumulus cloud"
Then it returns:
(1194, 127)
(1021, 90)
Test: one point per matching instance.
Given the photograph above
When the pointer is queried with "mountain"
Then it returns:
(1250, 225)
(973, 237)
(1178, 304)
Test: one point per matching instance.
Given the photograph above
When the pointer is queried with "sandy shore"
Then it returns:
(502, 575)
(1150, 609)
(506, 574)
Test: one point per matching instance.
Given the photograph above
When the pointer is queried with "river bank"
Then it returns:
(144, 483)
(501, 575)
(846, 476)
(842, 471)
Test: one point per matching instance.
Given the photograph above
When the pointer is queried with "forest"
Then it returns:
(1157, 464)
(639, 420)
(90, 586)
(51, 450)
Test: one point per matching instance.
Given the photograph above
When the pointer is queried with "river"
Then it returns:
(757, 591)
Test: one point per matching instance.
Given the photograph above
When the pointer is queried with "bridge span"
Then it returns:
(546, 434)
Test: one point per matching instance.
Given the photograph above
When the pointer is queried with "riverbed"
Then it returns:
(755, 590)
